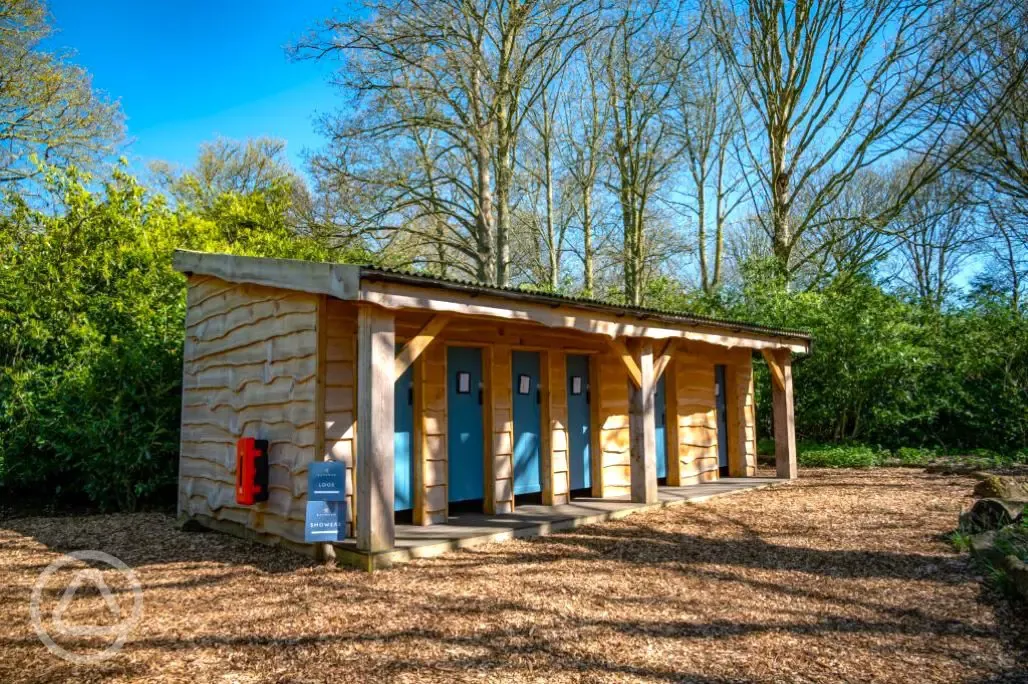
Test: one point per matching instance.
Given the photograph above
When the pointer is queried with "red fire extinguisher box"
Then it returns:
(251, 471)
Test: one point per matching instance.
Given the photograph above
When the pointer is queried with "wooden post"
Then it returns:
(643, 428)
(376, 356)
(785, 419)
(418, 448)
(545, 428)
(596, 423)
(488, 431)
(674, 457)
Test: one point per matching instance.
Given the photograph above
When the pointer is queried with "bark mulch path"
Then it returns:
(841, 576)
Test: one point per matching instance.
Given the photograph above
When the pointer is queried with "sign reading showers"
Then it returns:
(326, 502)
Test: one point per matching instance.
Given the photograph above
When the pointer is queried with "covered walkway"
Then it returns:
(466, 530)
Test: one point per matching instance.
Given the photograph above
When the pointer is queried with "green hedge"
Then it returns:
(838, 456)
(91, 331)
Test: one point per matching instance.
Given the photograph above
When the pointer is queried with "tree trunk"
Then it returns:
(781, 243)
(701, 236)
(587, 240)
(551, 238)
(485, 226)
(503, 185)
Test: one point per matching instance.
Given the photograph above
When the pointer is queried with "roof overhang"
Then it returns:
(405, 291)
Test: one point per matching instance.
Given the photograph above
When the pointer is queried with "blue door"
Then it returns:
(722, 416)
(578, 421)
(660, 419)
(465, 467)
(527, 416)
(403, 437)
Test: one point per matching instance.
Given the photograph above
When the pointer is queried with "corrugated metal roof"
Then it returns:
(671, 316)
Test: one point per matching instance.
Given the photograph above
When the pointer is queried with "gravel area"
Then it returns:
(840, 576)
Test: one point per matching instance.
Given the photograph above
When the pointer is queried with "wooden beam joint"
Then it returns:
(664, 358)
(416, 346)
(626, 358)
(773, 365)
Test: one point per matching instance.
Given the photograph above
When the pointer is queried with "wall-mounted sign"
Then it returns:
(524, 384)
(326, 521)
(326, 481)
(576, 384)
(463, 382)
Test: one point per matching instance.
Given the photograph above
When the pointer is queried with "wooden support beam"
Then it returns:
(626, 358)
(376, 352)
(777, 376)
(519, 307)
(419, 343)
(664, 358)
(785, 420)
(643, 428)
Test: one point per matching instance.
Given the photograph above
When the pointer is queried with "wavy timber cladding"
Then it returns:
(691, 393)
(501, 427)
(697, 420)
(555, 462)
(612, 474)
(742, 420)
(250, 370)
(430, 453)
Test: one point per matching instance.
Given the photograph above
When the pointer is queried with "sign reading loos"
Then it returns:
(325, 481)
(326, 502)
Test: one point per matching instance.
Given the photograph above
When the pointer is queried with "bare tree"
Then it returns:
(847, 238)
(476, 70)
(1006, 242)
(585, 115)
(937, 235)
(48, 108)
(710, 126)
(839, 87)
(550, 180)
(400, 180)
(644, 61)
(994, 117)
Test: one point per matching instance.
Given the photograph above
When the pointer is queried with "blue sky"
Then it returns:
(189, 71)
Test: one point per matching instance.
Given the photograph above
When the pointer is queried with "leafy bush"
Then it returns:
(838, 456)
(1012, 540)
(91, 332)
(887, 371)
(915, 456)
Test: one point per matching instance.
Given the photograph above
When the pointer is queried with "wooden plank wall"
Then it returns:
(249, 370)
(502, 428)
(742, 418)
(430, 456)
(556, 465)
(691, 388)
(340, 394)
(612, 470)
(697, 420)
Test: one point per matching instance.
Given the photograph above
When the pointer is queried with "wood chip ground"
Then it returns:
(841, 576)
